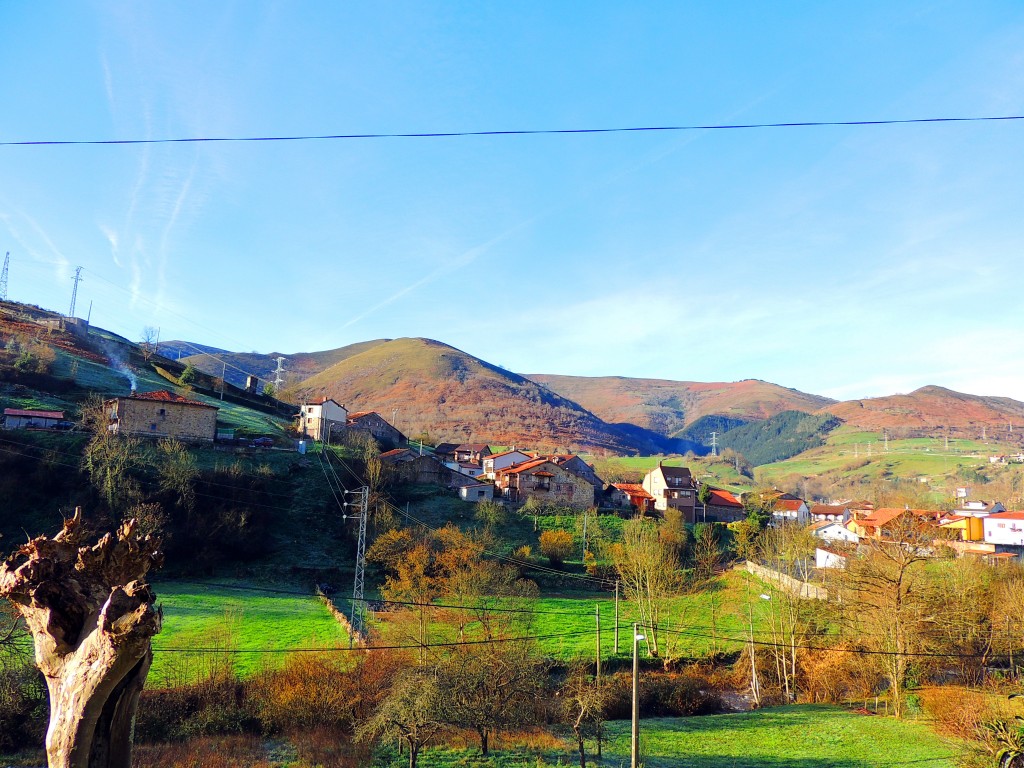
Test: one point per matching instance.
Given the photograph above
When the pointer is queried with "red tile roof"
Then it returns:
(1006, 516)
(633, 489)
(524, 465)
(34, 414)
(723, 499)
(163, 396)
(827, 509)
(787, 505)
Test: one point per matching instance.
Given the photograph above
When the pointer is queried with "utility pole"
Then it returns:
(714, 443)
(634, 759)
(597, 674)
(358, 605)
(885, 437)
(584, 535)
(74, 291)
(616, 617)
(3, 277)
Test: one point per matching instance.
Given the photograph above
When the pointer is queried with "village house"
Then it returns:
(829, 512)
(672, 487)
(498, 461)
(546, 482)
(477, 492)
(445, 451)
(407, 466)
(831, 557)
(629, 496)
(16, 418)
(979, 508)
(888, 522)
(575, 464)
(724, 507)
(834, 531)
(375, 425)
(321, 417)
(471, 453)
(1006, 531)
(790, 511)
(161, 414)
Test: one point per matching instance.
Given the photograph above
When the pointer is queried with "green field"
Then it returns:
(222, 619)
(798, 736)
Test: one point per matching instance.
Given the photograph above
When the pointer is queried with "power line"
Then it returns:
(340, 649)
(510, 132)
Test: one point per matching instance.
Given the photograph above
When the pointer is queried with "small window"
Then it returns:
(152, 427)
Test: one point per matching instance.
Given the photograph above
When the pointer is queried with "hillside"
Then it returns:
(779, 437)
(932, 410)
(434, 389)
(297, 366)
(667, 407)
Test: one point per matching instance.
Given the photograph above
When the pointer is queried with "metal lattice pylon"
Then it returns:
(358, 604)
(3, 277)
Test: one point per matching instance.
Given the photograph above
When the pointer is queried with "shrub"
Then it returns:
(691, 691)
(556, 546)
(215, 706)
(23, 704)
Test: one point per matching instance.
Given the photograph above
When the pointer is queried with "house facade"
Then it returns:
(546, 482)
(1005, 529)
(723, 507)
(477, 492)
(630, 496)
(471, 453)
(375, 425)
(161, 414)
(672, 487)
(494, 463)
(406, 466)
(319, 418)
(821, 513)
(790, 511)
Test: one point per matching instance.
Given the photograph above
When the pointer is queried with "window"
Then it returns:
(480, 494)
(152, 427)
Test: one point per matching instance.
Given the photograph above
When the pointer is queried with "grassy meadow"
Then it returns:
(237, 620)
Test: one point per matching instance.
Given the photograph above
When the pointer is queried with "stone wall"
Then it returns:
(788, 583)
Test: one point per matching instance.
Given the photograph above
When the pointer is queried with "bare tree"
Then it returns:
(92, 618)
(411, 712)
(582, 705)
(148, 344)
(649, 571)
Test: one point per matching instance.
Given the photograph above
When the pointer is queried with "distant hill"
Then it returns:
(297, 366)
(929, 410)
(667, 407)
(779, 437)
(430, 387)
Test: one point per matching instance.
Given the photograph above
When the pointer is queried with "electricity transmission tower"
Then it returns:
(714, 443)
(74, 291)
(3, 277)
(278, 377)
(358, 604)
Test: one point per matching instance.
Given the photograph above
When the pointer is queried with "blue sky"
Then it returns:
(843, 261)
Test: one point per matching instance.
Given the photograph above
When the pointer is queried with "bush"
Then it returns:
(23, 705)
(556, 546)
(662, 694)
(213, 707)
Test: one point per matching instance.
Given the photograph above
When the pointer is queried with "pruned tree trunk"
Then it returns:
(92, 618)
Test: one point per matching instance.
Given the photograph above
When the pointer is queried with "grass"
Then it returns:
(798, 736)
(197, 616)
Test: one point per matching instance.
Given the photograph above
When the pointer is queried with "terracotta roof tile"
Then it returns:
(163, 396)
(34, 414)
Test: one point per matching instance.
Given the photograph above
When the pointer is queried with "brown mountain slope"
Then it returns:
(298, 366)
(453, 396)
(931, 408)
(668, 406)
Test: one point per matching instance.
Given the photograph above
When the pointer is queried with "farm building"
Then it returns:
(630, 496)
(15, 418)
(406, 466)
(723, 507)
(477, 493)
(162, 414)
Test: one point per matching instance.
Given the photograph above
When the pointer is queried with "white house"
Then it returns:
(477, 492)
(829, 512)
(979, 508)
(790, 511)
(826, 557)
(834, 530)
(1005, 528)
(320, 416)
(498, 461)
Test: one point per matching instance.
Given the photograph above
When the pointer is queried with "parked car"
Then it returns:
(263, 442)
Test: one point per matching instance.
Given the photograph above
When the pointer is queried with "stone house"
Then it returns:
(723, 507)
(498, 461)
(406, 466)
(545, 481)
(162, 414)
(672, 487)
(322, 417)
(375, 425)
(471, 453)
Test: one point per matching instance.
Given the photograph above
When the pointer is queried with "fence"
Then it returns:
(791, 585)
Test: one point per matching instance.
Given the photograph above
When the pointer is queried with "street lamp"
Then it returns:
(635, 750)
